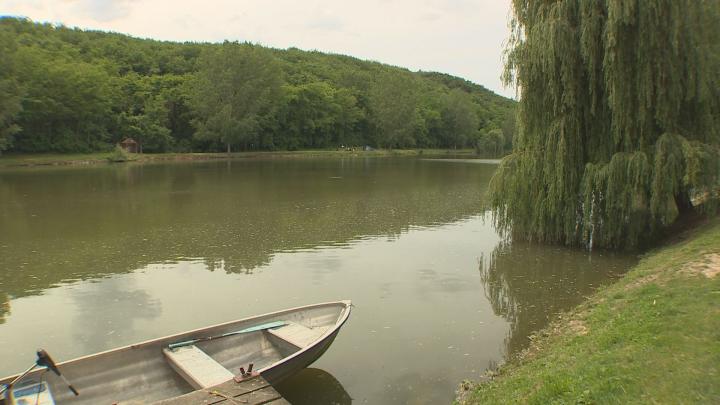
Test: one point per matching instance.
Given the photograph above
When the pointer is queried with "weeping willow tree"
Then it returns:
(618, 125)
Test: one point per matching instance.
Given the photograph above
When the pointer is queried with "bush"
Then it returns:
(120, 155)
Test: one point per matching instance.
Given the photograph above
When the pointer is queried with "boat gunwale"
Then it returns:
(341, 320)
(338, 324)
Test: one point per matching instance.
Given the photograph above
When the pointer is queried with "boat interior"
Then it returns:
(150, 371)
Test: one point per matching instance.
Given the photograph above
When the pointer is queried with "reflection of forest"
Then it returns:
(65, 224)
(528, 284)
(4, 306)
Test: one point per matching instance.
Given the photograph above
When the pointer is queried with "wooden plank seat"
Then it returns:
(196, 367)
(297, 335)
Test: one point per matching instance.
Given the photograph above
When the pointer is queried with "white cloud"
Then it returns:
(100, 10)
(460, 37)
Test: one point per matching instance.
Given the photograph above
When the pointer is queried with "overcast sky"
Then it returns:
(461, 37)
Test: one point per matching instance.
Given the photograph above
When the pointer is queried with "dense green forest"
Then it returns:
(618, 122)
(68, 90)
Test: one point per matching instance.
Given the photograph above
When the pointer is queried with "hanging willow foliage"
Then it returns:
(619, 119)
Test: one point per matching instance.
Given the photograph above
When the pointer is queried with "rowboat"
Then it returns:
(274, 345)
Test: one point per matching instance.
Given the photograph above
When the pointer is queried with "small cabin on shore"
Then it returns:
(130, 145)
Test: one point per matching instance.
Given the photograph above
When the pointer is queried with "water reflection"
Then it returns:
(4, 306)
(313, 386)
(416, 388)
(528, 283)
(70, 224)
(106, 312)
(114, 255)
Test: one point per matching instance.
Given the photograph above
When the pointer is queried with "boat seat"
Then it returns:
(297, 335)
(196, 367)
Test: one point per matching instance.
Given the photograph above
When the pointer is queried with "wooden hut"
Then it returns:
(130, 145)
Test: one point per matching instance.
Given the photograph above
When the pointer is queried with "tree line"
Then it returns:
(69, 90)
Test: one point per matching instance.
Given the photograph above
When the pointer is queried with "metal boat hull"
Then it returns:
(140, 373)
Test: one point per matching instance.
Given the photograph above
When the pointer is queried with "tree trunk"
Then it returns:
(228, 148)
(684, 204)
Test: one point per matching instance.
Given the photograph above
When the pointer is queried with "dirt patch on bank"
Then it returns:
(708, 266)
(578, 327)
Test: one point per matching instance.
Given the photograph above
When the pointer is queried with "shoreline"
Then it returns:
(50, 159)
(651, 337)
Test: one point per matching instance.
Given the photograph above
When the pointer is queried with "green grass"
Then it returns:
(14, 160)
(652, 337)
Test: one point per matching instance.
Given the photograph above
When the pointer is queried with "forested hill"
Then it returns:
(68, 90)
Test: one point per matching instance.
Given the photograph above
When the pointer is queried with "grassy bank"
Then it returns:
(652, 337)
(17, 160)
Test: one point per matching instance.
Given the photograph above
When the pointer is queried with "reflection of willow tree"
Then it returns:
(528, 284)
(70, 223)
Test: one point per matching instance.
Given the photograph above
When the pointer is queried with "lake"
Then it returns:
(96, 257)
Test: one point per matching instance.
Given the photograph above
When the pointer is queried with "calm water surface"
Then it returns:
(97, 257)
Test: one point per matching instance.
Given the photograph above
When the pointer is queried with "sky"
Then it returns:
(461, 37)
